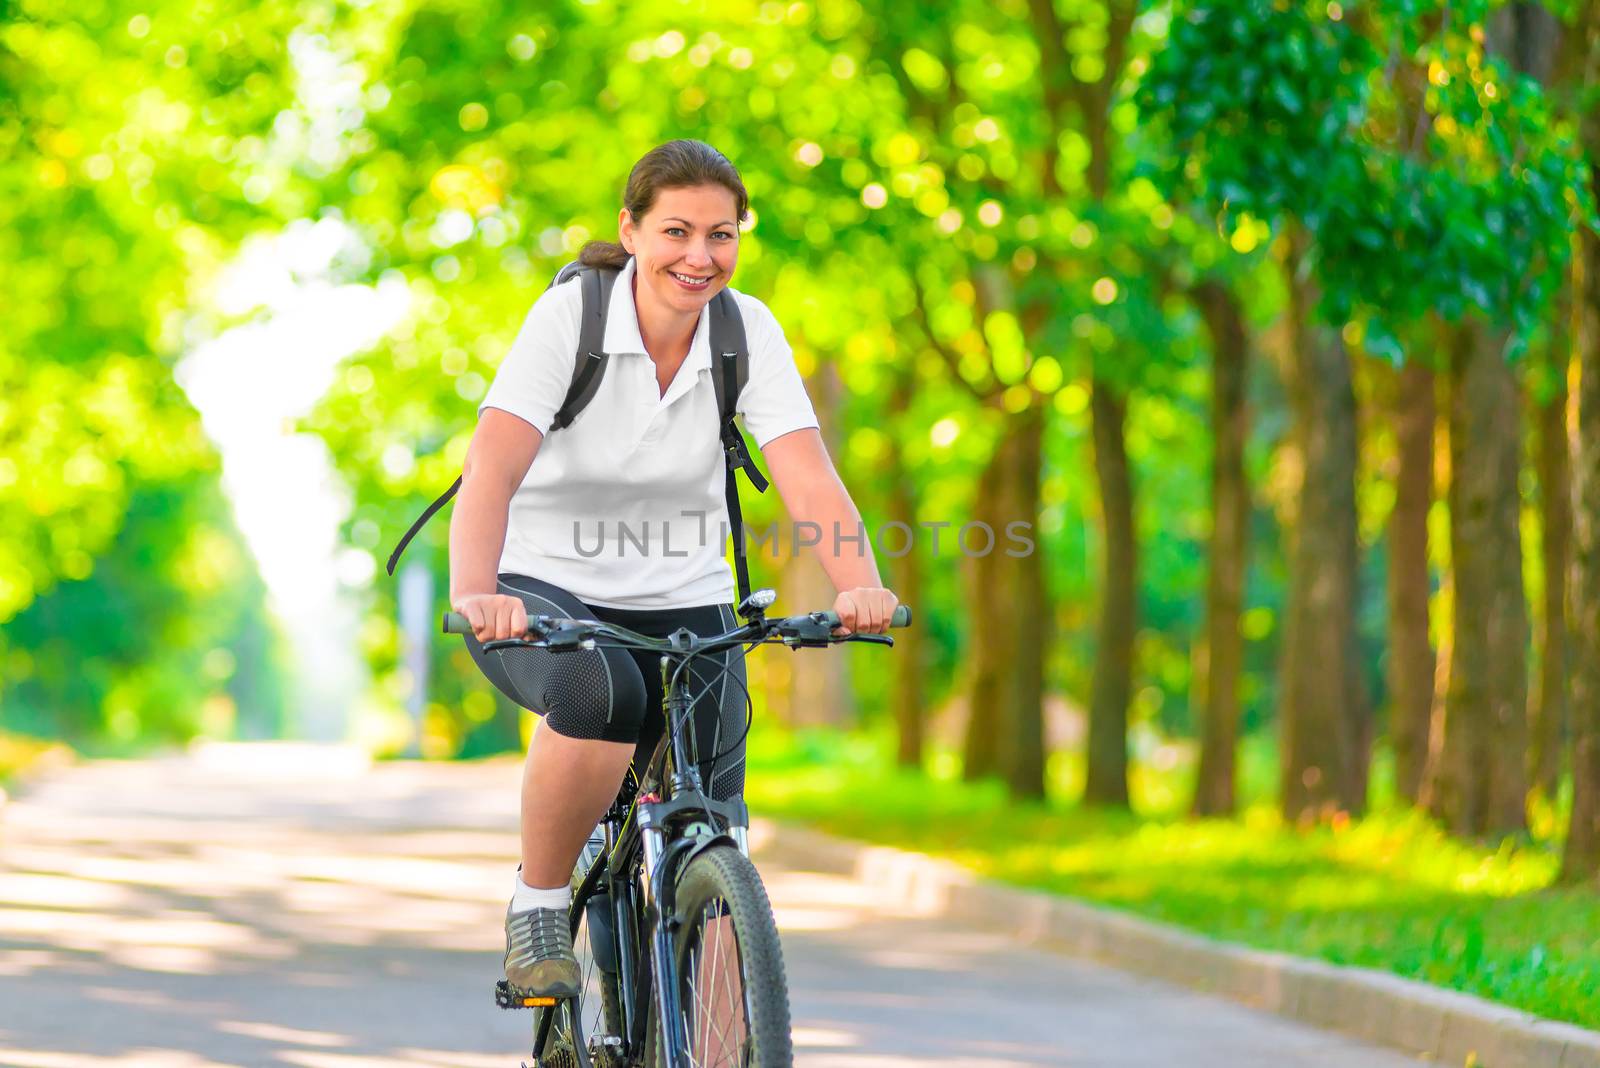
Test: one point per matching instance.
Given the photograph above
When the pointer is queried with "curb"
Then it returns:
(1384, 1009)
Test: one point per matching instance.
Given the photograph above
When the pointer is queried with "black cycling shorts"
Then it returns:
(615, 694)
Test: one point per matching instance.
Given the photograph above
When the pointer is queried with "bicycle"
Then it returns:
(667, 910)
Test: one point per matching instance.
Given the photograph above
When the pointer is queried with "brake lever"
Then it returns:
(550, 636)
(875, 639)
(514, 643)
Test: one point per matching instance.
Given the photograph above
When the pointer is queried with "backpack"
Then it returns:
(730, 369)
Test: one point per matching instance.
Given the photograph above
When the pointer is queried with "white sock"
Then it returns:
(526, 897)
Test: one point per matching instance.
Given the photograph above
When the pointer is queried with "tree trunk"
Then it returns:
(1482, 781)
(991, 595)
(1322, 707)
(905, 575)
(1022, 750)
(1005, 725)
(1222, 654)
(1581, 861)
(1411, 657)
(1107, 781)
(1547, 716)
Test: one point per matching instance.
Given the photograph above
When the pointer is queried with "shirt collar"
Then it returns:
(622, 327)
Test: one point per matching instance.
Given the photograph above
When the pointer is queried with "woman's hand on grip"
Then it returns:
(865, 610)
(493, 615)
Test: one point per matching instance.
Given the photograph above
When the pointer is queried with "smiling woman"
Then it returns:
(680, 224)
(641, 452)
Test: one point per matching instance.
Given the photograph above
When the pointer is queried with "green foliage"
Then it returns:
(135, 147)
(164, 640)
(917, 219)
(1259, 100)
(1391, 892)
(110, 200)
(1431, 175)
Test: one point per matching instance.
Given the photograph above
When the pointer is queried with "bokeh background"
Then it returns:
(1277, 321)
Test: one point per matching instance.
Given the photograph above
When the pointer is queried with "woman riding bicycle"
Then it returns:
(644, 457)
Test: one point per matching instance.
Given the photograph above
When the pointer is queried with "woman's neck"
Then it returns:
(666, 332)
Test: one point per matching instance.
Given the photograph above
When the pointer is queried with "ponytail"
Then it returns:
(604, 254)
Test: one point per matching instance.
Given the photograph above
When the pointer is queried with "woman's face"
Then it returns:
(684, 247)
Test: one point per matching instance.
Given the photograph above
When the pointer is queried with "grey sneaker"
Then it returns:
(539, 959)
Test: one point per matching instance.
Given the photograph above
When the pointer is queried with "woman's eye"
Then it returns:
(723, 234)
(674, 230)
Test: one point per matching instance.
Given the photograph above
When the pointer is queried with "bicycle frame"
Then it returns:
(669, 819)
(647, 840)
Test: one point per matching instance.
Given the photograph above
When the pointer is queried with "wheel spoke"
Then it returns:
(698, 1035)
(708, 915)
(718, 1014)
(712, 1042)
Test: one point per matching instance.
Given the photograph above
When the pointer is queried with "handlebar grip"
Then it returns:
(456, 623)
(901, 617)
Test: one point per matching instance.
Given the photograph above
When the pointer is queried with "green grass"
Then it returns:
(1390, 891)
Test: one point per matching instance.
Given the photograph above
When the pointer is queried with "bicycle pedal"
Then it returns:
(509, 997)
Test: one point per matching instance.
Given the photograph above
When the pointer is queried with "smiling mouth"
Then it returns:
(689, 281)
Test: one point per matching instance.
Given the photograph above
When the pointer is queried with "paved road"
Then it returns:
(297, 909)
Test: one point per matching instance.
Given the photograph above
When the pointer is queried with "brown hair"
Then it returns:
(681, 164)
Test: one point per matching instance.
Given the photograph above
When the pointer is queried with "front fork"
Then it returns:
(663, 973)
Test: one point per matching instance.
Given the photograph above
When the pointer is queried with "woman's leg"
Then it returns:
(567, 785)
(592, 702)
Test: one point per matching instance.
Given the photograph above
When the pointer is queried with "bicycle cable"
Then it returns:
(724, 669)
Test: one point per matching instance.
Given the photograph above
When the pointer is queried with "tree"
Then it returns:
(907, 575)
(140, 149)
(1481, 787)
(1261, 100)
(1001, 313)
(1089, 92)
(1519, 178)
(1293, 114)
(1547, 709)
(1537, 47)
(1323, 723)
(1581, 859)
(1230, 511)
(1411, 654)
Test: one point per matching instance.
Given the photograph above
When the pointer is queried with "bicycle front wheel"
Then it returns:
(732, 995)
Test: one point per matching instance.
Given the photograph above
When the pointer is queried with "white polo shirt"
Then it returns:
(624, 508)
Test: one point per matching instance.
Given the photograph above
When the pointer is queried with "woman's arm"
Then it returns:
(502, 449)
(813, 493)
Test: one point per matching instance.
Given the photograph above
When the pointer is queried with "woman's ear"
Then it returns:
(625, 229)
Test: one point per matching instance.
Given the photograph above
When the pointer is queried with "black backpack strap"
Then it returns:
(730, 369)
(422, 521)
(590, 365)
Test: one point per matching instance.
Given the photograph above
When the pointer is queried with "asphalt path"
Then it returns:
(274, 906)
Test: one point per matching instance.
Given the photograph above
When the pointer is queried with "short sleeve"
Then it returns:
(534, 377)
(773, 401)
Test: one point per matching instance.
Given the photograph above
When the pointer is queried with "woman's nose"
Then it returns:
(698, 254)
